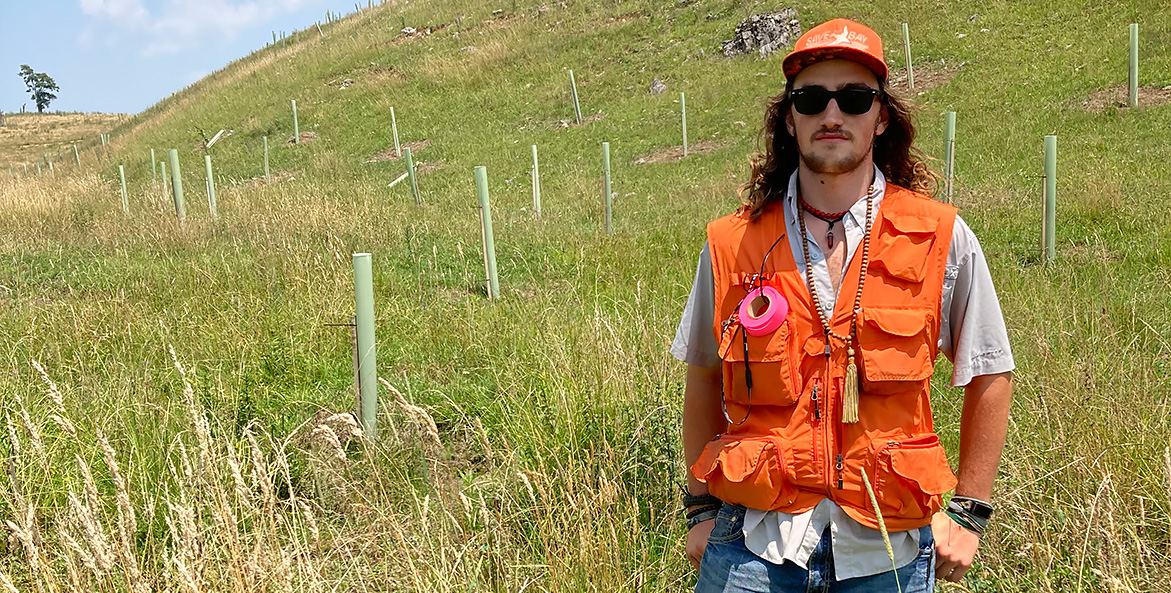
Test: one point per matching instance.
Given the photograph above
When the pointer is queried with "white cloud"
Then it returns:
(127, 12)
(180, 24)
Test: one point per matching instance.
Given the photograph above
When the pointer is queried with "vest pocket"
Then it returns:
(896, 348)
(773, 368)
(904, 253)
(910, 475)
(750, 471)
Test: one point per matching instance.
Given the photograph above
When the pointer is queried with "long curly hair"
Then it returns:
(894, 153)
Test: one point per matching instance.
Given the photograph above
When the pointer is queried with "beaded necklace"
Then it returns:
(850, 397)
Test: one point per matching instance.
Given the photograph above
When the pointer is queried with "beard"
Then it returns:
(841, 159)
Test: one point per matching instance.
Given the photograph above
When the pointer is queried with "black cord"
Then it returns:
(755, 283)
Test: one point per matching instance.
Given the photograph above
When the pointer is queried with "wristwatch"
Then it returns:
(971, 506)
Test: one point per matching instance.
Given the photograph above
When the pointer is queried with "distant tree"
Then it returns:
(40, 86)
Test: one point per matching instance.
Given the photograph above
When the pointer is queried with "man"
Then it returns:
(810, 335)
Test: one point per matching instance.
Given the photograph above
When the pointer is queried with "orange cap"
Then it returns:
(839, 38)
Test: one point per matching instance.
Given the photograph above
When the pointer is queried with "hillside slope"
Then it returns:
(532, 442)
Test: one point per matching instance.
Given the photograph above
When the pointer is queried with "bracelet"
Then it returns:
(690, 500)
(972, 506)
(973, 524)
(703, 509)
(707, 515)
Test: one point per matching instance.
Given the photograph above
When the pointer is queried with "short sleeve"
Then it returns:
(973, 334)
(695, 343)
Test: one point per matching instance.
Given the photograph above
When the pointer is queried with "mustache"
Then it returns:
(835, 130)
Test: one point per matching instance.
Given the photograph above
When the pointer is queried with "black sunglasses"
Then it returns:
(812, 100)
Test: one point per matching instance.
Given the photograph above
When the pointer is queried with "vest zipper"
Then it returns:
(816, 404)
(815, 434)
(839, 468)
(827, 424)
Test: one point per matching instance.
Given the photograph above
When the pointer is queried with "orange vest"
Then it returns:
(793, 450)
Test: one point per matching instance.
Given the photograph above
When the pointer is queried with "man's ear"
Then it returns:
(789, 123)
(883, 121)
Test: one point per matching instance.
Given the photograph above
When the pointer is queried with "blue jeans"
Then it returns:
(729, 567)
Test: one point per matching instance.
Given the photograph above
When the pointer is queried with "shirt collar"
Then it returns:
(857, 211)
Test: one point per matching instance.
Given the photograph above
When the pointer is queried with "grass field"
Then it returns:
(532, 443)
(26, 138)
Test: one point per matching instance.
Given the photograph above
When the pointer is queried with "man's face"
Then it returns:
(832, 141)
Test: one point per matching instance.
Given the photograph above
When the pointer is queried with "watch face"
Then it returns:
(976, 508)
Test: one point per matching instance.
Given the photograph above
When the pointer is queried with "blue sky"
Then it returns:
(122, 56)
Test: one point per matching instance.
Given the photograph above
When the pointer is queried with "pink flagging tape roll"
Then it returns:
(763, 311)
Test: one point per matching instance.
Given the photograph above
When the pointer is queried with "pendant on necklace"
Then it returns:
(829, 237)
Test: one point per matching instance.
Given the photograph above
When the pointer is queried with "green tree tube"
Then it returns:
(1050, 228)
(1132, 99)
(949, 153)
(296, 126)
(907, 50)
(367, 351)
(489, 241)
(125, 199)
(606, 187)
(576, 105)
(536, 184)
(177, 184)
(411, 176)
(210, 188)
(394, 129)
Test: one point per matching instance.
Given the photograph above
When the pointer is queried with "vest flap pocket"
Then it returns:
(771, 347)
(736, 457)
(924, 465)
(749, 471)
(774, 372)
(896, 344)
(914, 224)
(905, 253)
(910, 476)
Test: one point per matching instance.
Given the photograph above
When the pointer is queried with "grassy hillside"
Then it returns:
(26, 138)
(532, 443)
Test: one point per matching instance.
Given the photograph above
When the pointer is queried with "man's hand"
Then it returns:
(697, 541)
(955, 548)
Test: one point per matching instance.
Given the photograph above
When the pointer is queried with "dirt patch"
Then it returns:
(927, 76)
(389, 155)
(410, 34)
(305, 137)
(374, 74)
(569, 123)
(499, 20)
(675, 153)
(1148, 96)
(429, 166)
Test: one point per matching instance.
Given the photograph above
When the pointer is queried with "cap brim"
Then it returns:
(799, 60)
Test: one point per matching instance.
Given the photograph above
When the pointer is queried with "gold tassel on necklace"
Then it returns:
(850, 397)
